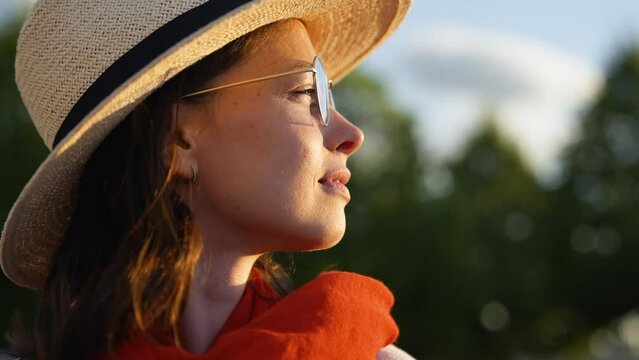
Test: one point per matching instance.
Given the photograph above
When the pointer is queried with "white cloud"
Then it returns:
(535, 89)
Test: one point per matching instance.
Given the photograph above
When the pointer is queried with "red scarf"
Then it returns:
(338, 315)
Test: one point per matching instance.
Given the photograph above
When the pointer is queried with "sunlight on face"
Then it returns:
(271, 177)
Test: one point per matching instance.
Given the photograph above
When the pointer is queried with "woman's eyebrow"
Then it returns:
(298, 65)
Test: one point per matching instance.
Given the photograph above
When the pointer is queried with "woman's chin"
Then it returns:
(326, 244)
(324, 240)
(312, 239)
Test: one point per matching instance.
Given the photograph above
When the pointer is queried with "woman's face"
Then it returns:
(269, 172)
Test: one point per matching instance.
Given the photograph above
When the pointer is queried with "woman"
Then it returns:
(189, 140)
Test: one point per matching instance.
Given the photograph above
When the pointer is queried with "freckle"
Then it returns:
(259, 93)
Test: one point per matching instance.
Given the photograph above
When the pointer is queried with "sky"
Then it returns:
(534, 65)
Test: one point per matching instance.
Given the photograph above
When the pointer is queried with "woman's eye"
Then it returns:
(306, 91)
(304, 96)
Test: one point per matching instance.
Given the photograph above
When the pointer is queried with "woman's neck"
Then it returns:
(217, 287)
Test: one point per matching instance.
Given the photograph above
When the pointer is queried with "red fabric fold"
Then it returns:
(338, 315)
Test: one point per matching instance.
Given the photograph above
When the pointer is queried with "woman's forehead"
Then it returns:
(288, 47)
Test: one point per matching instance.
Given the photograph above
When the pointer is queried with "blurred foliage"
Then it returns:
(599, 203)
(484, 262)
(21, 151)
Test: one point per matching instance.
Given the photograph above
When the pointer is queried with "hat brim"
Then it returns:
(344, 32)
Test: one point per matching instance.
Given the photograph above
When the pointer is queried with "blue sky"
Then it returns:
(588, 29)
(452, 59)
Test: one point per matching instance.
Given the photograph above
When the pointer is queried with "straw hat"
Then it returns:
(82, 67)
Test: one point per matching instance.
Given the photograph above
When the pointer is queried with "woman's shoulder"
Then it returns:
(392, 352)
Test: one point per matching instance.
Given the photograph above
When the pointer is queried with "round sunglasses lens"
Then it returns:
(321, 87)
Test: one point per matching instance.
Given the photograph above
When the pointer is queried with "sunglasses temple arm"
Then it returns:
(205, 91)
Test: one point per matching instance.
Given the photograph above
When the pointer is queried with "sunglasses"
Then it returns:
(323, 87)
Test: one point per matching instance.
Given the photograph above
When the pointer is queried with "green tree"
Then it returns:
(485, 238)
(599, 220)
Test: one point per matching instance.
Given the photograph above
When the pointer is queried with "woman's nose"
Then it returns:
(341, 135)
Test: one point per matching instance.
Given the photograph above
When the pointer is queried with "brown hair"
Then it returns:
(126, 263)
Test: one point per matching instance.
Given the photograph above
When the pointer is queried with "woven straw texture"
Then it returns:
(65, 45)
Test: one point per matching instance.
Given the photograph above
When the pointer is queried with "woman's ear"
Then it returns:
(180, 150)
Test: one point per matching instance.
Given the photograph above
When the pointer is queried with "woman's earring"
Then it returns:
(193, 176)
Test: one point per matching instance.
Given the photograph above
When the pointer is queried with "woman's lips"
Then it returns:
(335, 182)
